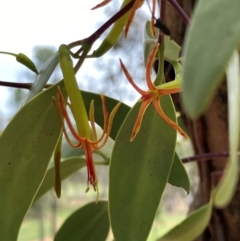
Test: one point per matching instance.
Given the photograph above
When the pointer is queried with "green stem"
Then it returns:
(180, 11)
(206, 156)
(93, 37)
(2, 52)
(160, 74)
(77, 103)
(20, 85)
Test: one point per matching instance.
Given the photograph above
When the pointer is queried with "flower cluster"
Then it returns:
(152, 95)
(91, 143)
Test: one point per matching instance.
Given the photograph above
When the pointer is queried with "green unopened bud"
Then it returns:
(23, 59)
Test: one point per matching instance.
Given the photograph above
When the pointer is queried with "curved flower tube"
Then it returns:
(153, 95)
(89, 145)
(85, 135)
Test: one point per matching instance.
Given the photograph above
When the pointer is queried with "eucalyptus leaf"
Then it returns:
(43, 76)
(178, 175)
(139, 171)
(213, 35)
(227, 186)
(89, 223)
(26, 146)
(68, 167)
(172, 49)
(191, 227)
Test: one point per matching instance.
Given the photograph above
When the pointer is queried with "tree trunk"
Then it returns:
(209, 133)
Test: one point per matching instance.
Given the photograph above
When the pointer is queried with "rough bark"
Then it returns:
(209, 134)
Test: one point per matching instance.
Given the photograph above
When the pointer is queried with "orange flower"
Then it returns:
(89, 145)
(85, 134)
(152, 95)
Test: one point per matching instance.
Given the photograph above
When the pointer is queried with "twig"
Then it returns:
(206, 156)
(93, 37)
(180, 11)
(20, 85)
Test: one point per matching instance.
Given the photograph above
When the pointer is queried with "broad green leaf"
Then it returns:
(172, 49)
(178, 175)
(68, 167)
(43, 76)
(139, 171)
(227, 185)
(191, 227)
(26, 146)
(89, 223)
(213, 36)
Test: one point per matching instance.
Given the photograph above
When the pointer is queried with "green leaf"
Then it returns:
(43, 76)
(191, 227)
(139, 171)
(213, 36)
(178, 175)
(227, 186)
(172, 49)
(26, 146)
(89, 223)
(68, 167)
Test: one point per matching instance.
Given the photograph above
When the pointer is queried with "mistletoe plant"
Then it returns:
(143, 158)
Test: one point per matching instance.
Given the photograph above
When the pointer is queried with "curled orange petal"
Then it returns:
(68, 121)
(108, 124)
(105, 124)
(150, 61)
(103, 3)
(136, 5)
(128, 76)
(158, 108)
(92, 120)
(92, 176)
(139, 118)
